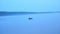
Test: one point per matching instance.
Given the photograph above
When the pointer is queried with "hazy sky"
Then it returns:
(30, 5)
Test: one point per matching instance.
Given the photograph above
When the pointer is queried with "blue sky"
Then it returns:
(30, 5)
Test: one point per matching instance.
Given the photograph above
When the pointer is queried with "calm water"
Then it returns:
(39, 24)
